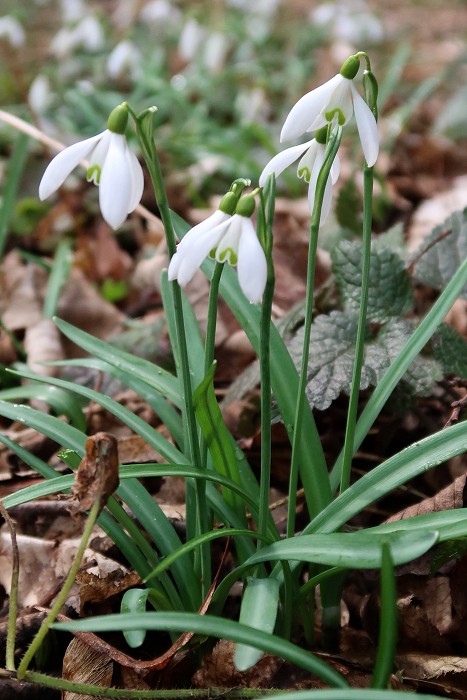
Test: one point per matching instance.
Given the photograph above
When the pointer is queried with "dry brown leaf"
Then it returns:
(82, 664)
(453, 496)
(439, 603)
(22, 286)
(97, 474)
(81, 305)
(42, 343)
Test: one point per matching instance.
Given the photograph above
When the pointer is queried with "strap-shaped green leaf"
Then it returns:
(259, 610)
(218, 438)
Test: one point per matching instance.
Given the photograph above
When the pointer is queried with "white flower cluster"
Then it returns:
(337, 100)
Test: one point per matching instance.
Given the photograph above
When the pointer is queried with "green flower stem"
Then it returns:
(265, 372)
(13, 608)
(210, 341)
(177, 694)
(333, 145)
(361, 330)
(144, 128)
(62, 596)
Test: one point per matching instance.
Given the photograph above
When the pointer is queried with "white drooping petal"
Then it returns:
(335, 169)
(227, 249)
(211, 222)
(61, 166)
(194, 254)
(306, 164)
(308, 108)
(367, 128)
(137, 179)
(252, 267)
(115, 186)
(341, 100)
(174, 266)
(282, 160)
(317, 165)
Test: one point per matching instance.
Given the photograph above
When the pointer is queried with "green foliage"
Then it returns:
(348, 208)
(442, 252)
(450, 349)
(390, 293)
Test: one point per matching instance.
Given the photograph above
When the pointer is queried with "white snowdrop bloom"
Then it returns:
(39, 94)
(72, 10)
(349, 21)
(88, 34)
(191, 38)
(12, 31)
(112, 166)
(336, 99)
(215, 52)
(227, 238)
(309, 166)
(160, 11)
(124, 59)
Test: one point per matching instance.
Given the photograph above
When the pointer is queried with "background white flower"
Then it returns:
(112, 165)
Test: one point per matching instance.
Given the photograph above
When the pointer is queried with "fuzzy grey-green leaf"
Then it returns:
(389, 293)
(442, 252)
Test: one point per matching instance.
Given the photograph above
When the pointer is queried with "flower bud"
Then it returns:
(350, 67)
(118, 119)
(246, 206)
(228, 203)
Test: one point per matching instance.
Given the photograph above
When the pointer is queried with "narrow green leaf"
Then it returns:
(211, 626)
(134, 601)
(397, 470)
(62, 402)
(153, 437)
(60, 271)
(259, 610)
(151, 374)
(218, 438)
(387, 638)
(10, 187)
(354, 550)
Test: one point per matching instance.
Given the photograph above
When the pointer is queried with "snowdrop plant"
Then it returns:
(112, 166)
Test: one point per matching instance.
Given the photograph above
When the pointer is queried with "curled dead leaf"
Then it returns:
(97, 475)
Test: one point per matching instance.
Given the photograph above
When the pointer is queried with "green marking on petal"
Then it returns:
(212, 253)
(228, 255)
(93, 174)
(336, 112)
(305, 173)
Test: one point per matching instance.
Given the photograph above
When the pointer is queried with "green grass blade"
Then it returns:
(62, 402)
(28, 458)
(387, 638)
(161, 407)
(56, 429)
(259, 607)
(450, 524)
(152, 436)
(398, 368)
(211, 626)
(354, 550)
(10, 188)
(151, 374)
(414, 460)
(60, 270)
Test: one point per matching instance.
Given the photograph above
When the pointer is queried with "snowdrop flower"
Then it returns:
(125, 58)
(310, 164)
(337, 99)
(12, 30)
(112, 166)
(227, 237)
